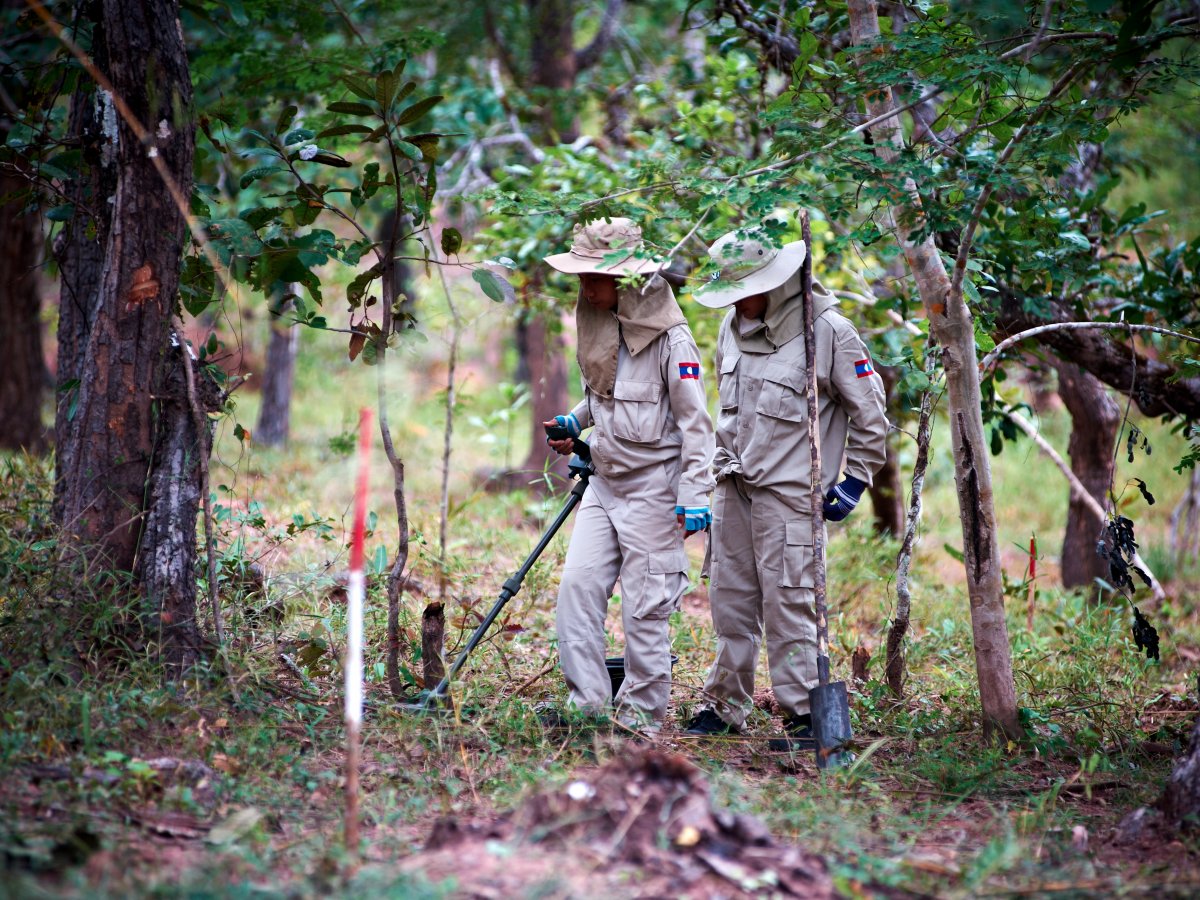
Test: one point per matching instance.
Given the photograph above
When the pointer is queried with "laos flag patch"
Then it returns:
(689, 370)
(863, 368)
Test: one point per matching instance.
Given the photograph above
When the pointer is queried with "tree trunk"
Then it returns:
(553, 71)
(23, 375)
(552, 57)
(887, 493)
(275, 413)
(548, 388)
(1095, 418)
(129, 460)
(952, 327)
(167, 569)
(1181, 800)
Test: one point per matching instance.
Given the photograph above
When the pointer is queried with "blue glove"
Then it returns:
(695, 518)
(841, 499)
(570, 423)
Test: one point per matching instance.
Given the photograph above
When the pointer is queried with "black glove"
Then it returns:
(841, 499)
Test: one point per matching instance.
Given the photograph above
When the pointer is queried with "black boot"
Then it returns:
(707, 723)
(797, 735)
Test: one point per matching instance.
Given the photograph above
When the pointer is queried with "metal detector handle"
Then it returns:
(513, 584)
(579, 448)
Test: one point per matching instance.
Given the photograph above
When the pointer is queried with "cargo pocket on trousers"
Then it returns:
(799, 563)
(666, 580)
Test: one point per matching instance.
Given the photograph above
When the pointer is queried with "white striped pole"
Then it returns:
(354, 635)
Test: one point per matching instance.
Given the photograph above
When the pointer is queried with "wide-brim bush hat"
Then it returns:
(605, 247)
(746, 266)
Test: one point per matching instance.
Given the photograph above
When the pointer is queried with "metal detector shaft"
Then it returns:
(584, 470)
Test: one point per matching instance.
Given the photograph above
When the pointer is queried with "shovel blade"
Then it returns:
(830, 708)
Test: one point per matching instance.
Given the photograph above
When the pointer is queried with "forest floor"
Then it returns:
(116, 783)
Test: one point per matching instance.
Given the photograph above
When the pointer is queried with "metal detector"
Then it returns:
(829, 704)
(580, 468)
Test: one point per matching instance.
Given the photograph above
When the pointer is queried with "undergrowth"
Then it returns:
(926, 806)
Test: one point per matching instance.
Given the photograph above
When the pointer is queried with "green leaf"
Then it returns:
(489, 283)
(385, 89)
(430, 143)
(452, 241)
(1075, 239)
(418, 109)
(360, 86)
(358, 287)
(197, 283)
(408, 88)
(256, 173)
(61, 213)
(236, 234)
(412, 151)
(351, 108)
(297, 136)
(325, 158)
(258, 216)
(957, 554)
(285, 118)
(352, 128)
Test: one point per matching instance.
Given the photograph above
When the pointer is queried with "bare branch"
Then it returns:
(590, 55)
(994, 355)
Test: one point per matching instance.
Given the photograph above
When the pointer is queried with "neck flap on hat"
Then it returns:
(642, 315)
(783, 320)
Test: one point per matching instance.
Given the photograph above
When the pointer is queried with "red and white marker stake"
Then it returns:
(354, 633)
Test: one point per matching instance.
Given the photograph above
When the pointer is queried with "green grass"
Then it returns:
(927, 807)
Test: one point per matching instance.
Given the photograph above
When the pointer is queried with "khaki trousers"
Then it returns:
(625, 528)
(761, 580)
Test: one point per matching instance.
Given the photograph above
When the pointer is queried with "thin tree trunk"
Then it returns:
(275, 413)
(1095, 418)
(887, 495)
(395, 579)
(894, 657)
(951, 325)
(23, 375)
(128, 481)
(548, 389)
(552, 74)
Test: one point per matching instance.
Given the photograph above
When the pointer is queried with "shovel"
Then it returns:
(829, 704)
(581, 468)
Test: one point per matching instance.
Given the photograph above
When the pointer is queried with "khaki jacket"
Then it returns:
(658, 412)
(762, 426)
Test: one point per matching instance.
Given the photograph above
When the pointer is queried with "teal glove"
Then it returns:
(695, 518)
(568, 423)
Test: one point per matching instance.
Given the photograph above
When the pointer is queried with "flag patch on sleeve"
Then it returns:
(689, 370)
(863, 368)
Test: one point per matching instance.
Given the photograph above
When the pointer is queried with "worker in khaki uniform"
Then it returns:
(652, 447)
(762, 565)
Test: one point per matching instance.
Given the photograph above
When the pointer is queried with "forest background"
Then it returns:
(344, 205)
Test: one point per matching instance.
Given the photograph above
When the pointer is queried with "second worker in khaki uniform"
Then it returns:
(762, 566)
(652, 447)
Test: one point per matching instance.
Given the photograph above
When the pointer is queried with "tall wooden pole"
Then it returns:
(354, 636)
(814, 446)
